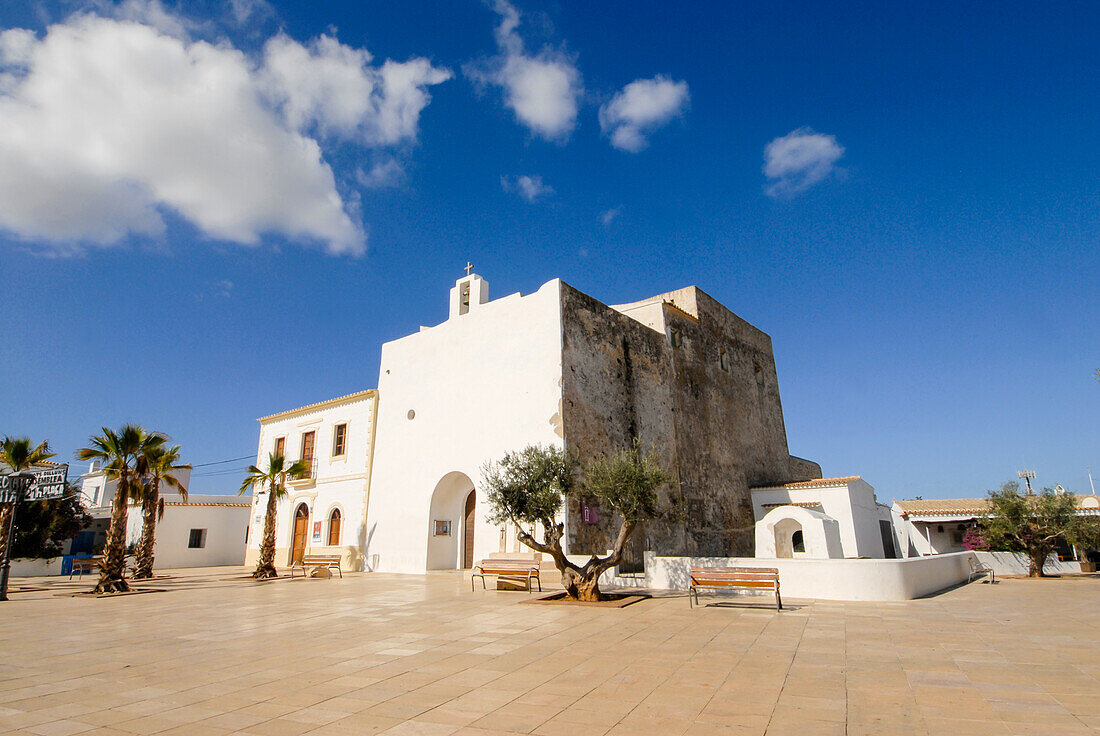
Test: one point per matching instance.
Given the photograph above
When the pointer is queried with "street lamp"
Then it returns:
(20, 482)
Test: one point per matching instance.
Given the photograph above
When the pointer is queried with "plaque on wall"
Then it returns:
(442, 528)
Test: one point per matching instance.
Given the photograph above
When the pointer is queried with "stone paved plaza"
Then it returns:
(215, 654)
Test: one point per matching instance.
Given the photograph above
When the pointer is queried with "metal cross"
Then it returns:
(469, 267)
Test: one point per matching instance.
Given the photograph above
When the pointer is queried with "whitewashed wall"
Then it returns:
(852, 504)
(26, 567)
(478, 385)
(836, 579)
(339, 481)
(97, 490)
(225, 529)
(1016, 563)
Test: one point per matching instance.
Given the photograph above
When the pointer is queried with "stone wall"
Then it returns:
(697, 383)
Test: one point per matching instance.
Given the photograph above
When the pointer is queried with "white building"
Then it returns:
(677, 371)
(207, 530)
(822, 518)
(326, 510)
(936, 526)
(452, 397)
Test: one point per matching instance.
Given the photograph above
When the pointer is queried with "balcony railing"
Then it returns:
(311, 471)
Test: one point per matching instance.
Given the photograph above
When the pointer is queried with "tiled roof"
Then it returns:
(669, 304)
(815, 483)
(319, 404)
(180, 503)
(945, 506)
(953, 506)
(803, 504)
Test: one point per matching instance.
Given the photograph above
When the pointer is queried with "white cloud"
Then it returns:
(543, 90)
(109, 123)
(608, 216)
(333, 88)
(530, 188)
(249, 10)
(385, 174)
(640, 108)
(799, 160)
(221, 289)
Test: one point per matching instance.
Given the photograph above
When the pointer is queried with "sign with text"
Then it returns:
(46, 484)
(316, 531)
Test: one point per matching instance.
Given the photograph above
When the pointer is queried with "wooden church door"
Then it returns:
(468, 532)
(301, 528)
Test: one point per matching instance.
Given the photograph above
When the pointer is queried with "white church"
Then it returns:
(393, 473)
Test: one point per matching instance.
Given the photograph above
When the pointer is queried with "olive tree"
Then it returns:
(530, 487)
(1035, 524)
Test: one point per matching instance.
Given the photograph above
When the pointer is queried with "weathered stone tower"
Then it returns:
(688, 377)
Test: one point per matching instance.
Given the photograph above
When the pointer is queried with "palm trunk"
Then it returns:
(112, 573)
(5, 516)
(148, 532)
(265, 568)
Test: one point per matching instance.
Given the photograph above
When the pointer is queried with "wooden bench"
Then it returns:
(82, 565)
(977, 568)
(747, 578)
(527, 570)
(324, 562)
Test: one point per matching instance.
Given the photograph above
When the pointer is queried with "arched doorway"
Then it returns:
(301, 530)
(468, 531)
(451, 521)
(788, 538)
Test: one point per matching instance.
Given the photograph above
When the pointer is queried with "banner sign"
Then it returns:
(48, 484)
(45, 485)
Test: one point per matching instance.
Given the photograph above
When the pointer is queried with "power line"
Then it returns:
(222, 462)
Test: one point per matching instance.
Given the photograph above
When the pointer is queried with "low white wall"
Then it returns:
(838, 579)
(29, 567)
(1016, 563)
(225, 536)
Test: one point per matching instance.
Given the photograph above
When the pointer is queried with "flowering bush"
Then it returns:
(973, 540)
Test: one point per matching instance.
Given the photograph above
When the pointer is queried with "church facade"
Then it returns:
(678, 371)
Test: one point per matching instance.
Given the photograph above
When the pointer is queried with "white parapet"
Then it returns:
(828, 579)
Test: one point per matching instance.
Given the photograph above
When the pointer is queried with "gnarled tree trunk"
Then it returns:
(148, 541)
(581, 582)
(112, 576)
(265, 568)
(1036, 560)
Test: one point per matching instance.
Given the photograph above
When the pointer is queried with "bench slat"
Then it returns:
(760, 578)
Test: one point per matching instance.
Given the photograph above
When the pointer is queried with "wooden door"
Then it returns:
(307, 452)
(301, 528)
(468, 532)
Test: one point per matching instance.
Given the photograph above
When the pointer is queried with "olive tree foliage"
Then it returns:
(1036, 524)
(530, 487)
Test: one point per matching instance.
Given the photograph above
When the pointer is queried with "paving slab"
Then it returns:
(214, 653)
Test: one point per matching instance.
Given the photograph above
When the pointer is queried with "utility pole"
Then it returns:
(1027, 475)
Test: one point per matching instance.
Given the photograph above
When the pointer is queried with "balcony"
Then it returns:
(308, 478)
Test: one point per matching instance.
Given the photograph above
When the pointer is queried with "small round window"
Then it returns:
(411, 414)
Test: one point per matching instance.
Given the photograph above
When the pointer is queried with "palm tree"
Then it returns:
(162, 467)
(125, 458)
(18, 454)
(274, 479)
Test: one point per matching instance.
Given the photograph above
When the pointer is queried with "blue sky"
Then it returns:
(924, 254)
